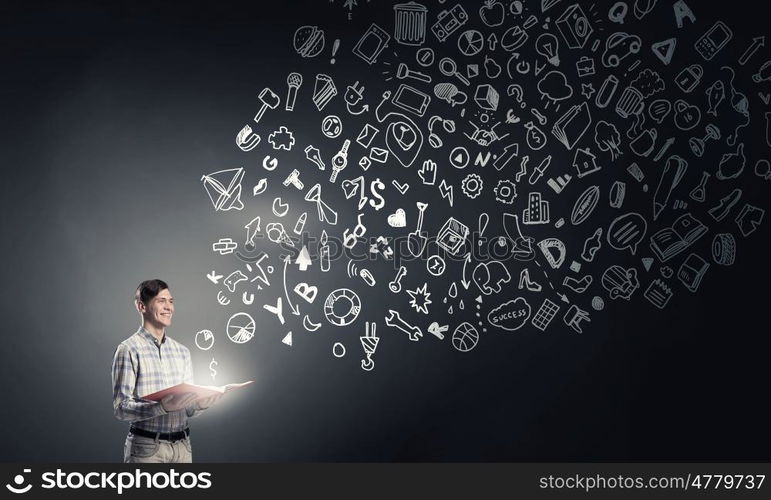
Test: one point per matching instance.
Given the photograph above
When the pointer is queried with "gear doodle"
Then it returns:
(472, 185)
(281, 139)
(505, 191)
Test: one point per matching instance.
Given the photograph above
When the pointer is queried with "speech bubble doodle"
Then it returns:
(627, 231)
(511, 315)
(659, 109)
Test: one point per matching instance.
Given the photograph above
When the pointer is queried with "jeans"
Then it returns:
(143, 450)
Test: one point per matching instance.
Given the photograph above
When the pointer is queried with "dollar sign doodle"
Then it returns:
(211, 368)
(374, 186)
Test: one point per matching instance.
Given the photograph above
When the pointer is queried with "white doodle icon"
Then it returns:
(419, 298)
(436, 265)
(369, 343)
(323, 91)
(342, 307)
(204, 340)
(331, 126)
(619, 282)
(224, 246)
(545, 314)
(338, 350)
(240, 328)
(306, 291)
(281, 139)
(233, 279)
(278, 310)
(247, 140)
(490, 276)
(293, 82)
(309, 41)
(465, 337)
(394, 320)
(452, 236)
(372, 43)
(224, 189)
(310, 325)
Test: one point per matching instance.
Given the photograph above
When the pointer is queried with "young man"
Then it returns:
(147, 362)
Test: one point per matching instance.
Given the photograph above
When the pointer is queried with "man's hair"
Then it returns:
(149, 289)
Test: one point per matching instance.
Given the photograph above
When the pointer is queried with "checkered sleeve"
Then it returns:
(191, 410)
(124, 374)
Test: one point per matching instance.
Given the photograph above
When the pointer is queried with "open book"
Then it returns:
(670, 241)
(202, 391)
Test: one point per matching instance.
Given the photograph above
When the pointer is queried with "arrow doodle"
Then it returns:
(757, 43)
(463, 280)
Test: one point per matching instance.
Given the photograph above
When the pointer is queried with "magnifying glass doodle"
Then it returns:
(448, 67)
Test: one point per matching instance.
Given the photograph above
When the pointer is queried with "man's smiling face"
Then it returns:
(159, 309)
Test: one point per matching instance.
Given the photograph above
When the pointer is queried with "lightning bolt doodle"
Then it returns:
(446, 191)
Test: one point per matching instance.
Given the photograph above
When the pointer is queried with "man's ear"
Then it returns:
(140, 306)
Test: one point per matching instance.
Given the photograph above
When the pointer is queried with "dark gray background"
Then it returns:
(112, 114)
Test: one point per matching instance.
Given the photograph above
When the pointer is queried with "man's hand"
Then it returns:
(208, 402)
(174, 402)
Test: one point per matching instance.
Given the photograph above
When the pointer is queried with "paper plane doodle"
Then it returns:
(224, 189)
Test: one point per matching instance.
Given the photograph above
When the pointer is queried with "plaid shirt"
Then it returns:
(142, 366)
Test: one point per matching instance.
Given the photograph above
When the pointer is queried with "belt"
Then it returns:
(166, 436)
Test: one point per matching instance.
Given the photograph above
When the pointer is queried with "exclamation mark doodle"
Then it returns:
(335, 46)
(483, 220)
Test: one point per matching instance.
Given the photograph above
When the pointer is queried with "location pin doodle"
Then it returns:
(212, 369)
